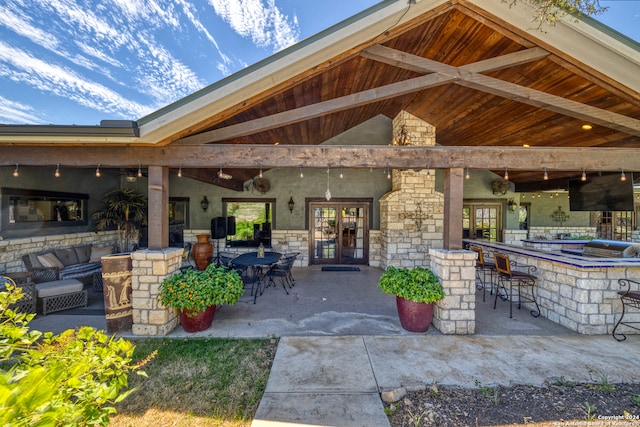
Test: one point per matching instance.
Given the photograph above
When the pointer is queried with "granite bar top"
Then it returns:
(558, 256)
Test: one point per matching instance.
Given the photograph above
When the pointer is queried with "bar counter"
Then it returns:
(577, 292)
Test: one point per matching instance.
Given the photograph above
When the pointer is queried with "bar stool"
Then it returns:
(482, 269)
(630, 299)
(518, 278)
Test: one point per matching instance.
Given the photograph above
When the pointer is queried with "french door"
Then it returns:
(482, 221)
(339, 233)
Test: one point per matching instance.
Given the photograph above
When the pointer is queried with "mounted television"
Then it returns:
(601, 193)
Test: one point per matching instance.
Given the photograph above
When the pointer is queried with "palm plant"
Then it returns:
(124, 209)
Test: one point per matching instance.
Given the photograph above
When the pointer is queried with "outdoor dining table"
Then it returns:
(253, 269)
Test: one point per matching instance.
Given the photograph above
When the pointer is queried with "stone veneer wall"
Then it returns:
(375, 248)
(149, 268)
(551, 232)
(514, 237)
(11, 250)
(412, 214)
(456, 313)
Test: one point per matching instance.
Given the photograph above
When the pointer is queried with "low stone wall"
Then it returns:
(552, 232)
(11, 250)
(456, 313)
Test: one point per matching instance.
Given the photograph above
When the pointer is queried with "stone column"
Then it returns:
(456, 313)
(150, 317)
(412, 214)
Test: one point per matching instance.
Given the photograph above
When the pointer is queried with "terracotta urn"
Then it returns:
(199, 321)
(414, 316)
(202, 251)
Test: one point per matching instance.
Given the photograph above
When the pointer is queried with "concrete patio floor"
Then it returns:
(322, 303)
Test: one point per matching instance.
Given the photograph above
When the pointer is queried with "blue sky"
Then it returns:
(82, 61)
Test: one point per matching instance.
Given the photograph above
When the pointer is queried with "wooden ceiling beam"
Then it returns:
(361, 98)
(321, 156)
(472, 79)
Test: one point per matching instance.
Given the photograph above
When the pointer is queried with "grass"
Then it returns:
(204, 382)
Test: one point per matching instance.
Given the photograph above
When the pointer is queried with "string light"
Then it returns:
(546, 175)
(584, 175)
(139, 170)
(301, 173)
(57, 172)
(260, 174)
(388, 172)
(506, 173)
(623, 177)
(466, 174)
(428, 170)
(98, 171)
(180, 171)
(341, 174)
(15, 172)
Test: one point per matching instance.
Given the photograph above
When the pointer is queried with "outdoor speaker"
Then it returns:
(231, 225)
(218, 227)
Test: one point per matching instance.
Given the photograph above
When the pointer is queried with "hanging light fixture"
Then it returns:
(260, 174)
(546, 175)
(341, 174)
(57, 172)
(506, 174)
(15, 171)
(98, 171)
(139, 170)
(584, 175)
(466, 173)
(223, 175)
(428, 170)
(180, 171)
(388, 172)
(301, 173)
(623, 177)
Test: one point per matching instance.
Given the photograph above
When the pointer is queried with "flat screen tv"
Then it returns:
(601, 193)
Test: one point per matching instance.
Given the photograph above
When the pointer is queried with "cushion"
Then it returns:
(58, 287)
(67, 256)
(33, 259)
(97, 253)
(83, 252)
(50, 260)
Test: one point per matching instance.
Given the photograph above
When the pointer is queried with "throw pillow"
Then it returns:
(98, 253)
(49, 260)
(83, 252)
(67, 256)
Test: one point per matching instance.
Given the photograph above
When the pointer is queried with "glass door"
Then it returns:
(339, 233)
(482, 221)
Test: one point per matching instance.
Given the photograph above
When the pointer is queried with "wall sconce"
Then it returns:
(204, 204)
(512, 205)
(291, 204)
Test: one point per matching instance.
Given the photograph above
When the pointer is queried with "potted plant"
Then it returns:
(195, 294)
(124, 209)
(416, 290)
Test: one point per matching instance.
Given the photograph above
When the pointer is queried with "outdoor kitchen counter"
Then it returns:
(577, 292)
(554, 245)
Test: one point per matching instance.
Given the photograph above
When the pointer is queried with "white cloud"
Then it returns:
(17, 112)
(22, 25)
(262, 21)
(66, 83)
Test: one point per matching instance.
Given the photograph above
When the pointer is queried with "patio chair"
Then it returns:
(630, 299)
(519, 279)
(483, 268)
(292, 256)
(281, 270)
(26, 304)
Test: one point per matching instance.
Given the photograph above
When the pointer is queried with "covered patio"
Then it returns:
(322, 303)
(408, 100)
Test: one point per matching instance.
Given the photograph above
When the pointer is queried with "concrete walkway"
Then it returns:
(336, 381)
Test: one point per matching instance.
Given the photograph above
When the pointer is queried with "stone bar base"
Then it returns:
(150, 317)
(456, 313)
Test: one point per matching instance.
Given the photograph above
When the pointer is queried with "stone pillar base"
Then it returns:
(456, 313)
(150, 318)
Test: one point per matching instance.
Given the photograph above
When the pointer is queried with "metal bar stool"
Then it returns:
(519, 278)
(483, 268)
(630, 299)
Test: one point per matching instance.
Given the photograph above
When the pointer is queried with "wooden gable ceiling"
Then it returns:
(463, 113)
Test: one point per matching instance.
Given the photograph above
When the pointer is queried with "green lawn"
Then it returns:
(204, 382)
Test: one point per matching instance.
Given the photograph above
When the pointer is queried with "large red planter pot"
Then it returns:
(201, 321)
(202, 251)
(414, 316)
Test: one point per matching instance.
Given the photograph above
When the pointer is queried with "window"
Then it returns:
(253, 219)
(28, 208)
(482, 221)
